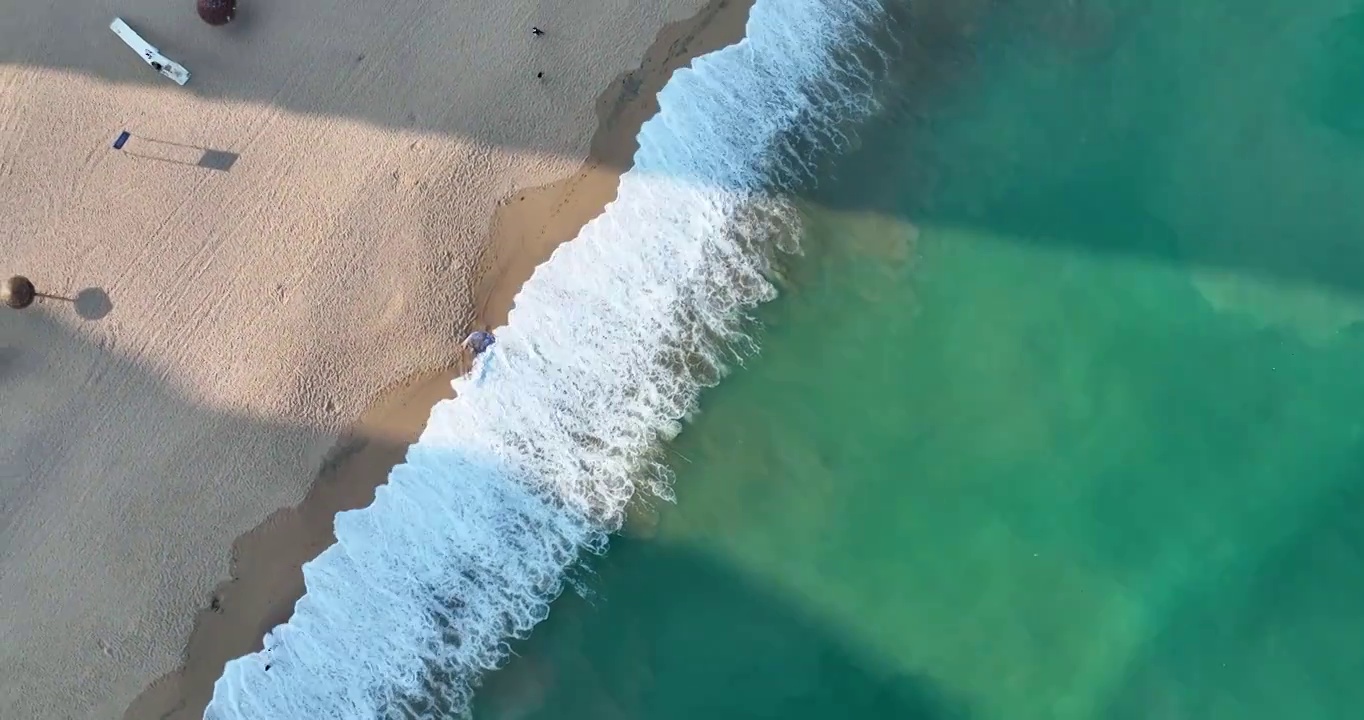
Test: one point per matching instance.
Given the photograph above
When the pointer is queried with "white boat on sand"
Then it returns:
(149, 53)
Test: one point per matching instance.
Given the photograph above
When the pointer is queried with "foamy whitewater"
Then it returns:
(561, 421)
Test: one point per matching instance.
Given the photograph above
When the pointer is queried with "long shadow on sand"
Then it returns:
(99, 558)
(670, 633)
(1047, 185)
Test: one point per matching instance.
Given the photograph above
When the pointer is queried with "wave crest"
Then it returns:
(561, 422)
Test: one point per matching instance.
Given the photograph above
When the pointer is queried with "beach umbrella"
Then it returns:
(217, 12)
(18, 292)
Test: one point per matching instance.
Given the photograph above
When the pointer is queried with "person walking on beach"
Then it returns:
(536, 32)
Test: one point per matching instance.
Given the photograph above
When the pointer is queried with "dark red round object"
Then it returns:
(18, 292)
(217, 12)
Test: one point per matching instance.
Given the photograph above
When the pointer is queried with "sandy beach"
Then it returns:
(312, 223)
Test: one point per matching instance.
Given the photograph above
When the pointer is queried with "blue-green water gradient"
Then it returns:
(1058, 416)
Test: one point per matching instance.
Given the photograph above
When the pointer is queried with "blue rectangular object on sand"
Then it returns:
(122, 138)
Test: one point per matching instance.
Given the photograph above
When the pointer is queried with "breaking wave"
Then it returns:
(561, 422)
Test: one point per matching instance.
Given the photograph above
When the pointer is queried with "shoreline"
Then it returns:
(567, 205)
(265, 579)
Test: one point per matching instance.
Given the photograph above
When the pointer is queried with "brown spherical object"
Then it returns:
(217, 12)
(18, 292)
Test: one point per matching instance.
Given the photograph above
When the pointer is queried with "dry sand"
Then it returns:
(237, 318)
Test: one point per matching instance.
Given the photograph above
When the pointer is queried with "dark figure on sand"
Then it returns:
(537, 32)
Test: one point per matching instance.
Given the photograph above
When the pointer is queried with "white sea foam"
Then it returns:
(559, 424)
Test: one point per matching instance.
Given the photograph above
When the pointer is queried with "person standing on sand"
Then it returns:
(537, 32)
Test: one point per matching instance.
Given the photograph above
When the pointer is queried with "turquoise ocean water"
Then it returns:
(1058, 415)
(1055, 415)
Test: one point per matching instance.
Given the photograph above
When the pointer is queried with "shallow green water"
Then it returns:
(1059, 417)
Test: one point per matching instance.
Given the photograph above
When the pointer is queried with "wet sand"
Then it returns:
(266, 578)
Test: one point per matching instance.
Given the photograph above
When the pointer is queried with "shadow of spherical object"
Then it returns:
(9, 360)
(93, 304)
